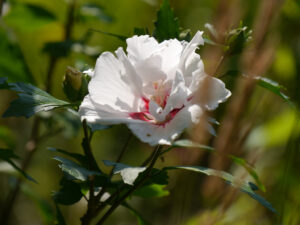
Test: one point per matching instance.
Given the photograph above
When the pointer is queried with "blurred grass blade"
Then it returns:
(7, 155)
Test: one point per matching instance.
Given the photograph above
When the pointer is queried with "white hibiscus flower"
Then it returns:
(152, 88)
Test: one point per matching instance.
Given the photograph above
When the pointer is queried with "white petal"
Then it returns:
(178, 95)
(150, 69)
(190, 48)
(170, 53)
(140, 47)
(216, 92)
(102, 114)
(108, 88)
(89, 72)
(156, 111)
(154, 134)
(130, 76)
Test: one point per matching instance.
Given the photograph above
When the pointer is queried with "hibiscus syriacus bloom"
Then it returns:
(152, 88)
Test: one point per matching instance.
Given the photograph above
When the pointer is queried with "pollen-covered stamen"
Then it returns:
(161, 93)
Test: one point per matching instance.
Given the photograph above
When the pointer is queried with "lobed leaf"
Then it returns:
(30, 100)
(152, 191)
(166, 26)
(76, 171)
(235, 182)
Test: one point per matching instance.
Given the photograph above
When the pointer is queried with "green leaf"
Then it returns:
(140, 31)
(166, 26)
(90, 11)
(184, 143)
(76, 171)
(8, 155)
(266, 83)
(235, 182)
(28, 17)
(190, 144)
(274, 87)
(59, 217)
(31, 100)
(120, 37)
(152, 191)
(80, 158)
(128, 173)
(69, 193)
(140, 219)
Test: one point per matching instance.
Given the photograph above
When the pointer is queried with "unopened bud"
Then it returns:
(74, 85)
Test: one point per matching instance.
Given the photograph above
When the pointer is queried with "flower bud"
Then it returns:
(75, 85)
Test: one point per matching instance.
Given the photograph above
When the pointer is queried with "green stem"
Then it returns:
(130, 191)
(86, 145)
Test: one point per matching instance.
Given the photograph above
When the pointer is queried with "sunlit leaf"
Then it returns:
(166, 25)
(128, 173)
(152, 191)
(30, 100)
(76, 171)
(235, 182)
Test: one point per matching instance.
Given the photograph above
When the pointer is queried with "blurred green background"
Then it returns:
(33, 32)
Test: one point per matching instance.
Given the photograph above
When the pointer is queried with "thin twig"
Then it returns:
(130, 191)
(1, 6)
(103, 190)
